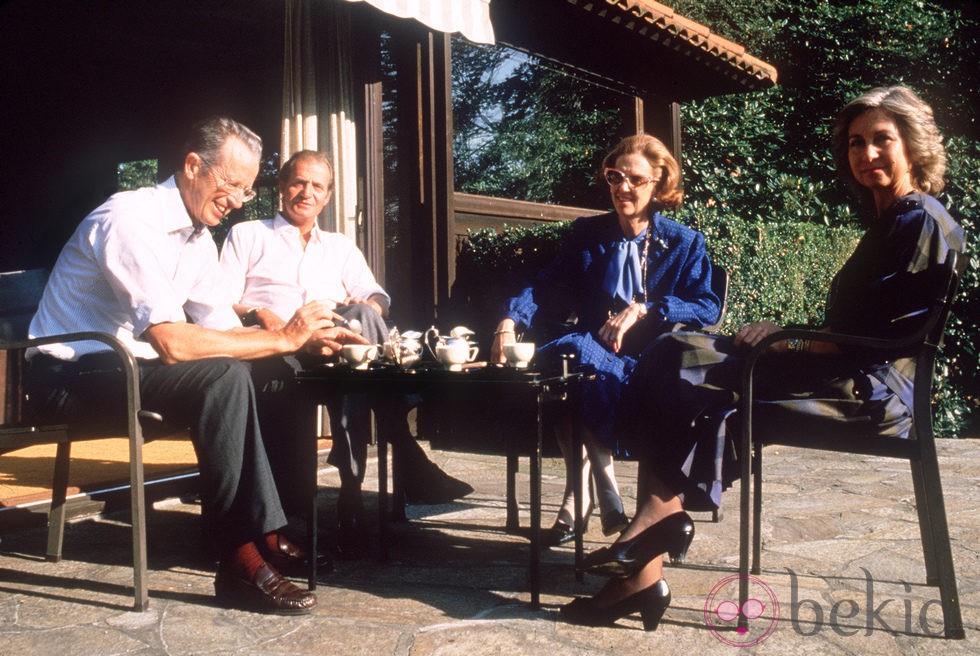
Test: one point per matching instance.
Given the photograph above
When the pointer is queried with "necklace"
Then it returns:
(643, 263)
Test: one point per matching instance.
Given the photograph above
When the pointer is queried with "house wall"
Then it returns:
(87, 85)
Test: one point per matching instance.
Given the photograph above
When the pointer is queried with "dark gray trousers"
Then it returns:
(214, 398)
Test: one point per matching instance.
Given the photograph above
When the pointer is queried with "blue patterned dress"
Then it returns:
(599, 271)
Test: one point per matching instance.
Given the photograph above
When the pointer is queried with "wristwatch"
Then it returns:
(797, 345)
(251, 316)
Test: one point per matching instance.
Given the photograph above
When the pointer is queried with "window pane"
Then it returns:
(528, 129)
(133, 175)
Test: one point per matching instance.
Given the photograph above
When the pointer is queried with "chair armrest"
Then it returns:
(842, 339)
(129, 364)
(127, 357)
(871, 343)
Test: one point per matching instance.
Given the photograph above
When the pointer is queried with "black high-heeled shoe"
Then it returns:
(650, 603)
(560, 533)
(614, 522)
(672, 534)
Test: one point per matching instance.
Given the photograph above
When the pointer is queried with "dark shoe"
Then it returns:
(353, 540)
(650, 603)
(291, 561)
(558, 534)
(267, 592)
(562, 532)
(672, 534)
(431, 485)
(614, 522)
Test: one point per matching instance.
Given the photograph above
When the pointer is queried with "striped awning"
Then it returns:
(471, 18)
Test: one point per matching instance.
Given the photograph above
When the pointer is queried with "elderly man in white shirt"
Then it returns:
(274, 266)
(143, 267)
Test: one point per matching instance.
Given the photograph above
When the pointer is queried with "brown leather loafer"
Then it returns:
(267, 592)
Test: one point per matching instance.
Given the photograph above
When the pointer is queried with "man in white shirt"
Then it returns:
(274, 266)
(143, 267)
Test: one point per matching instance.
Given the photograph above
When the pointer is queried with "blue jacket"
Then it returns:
(678, 277)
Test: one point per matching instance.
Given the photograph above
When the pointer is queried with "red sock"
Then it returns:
(272, 541)
(246, 560)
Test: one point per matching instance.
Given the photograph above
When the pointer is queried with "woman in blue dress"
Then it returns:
(626, 277)
(887, 147)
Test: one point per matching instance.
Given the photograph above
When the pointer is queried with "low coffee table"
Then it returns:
(480, 382)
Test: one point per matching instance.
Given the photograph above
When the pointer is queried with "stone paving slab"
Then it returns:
(841, 558)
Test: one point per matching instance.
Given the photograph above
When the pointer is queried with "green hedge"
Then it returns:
(779, 272)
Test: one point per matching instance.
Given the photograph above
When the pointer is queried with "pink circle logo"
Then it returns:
(722, 612)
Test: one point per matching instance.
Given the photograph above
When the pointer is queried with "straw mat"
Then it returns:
(25, 474)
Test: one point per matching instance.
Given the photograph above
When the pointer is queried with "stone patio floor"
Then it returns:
(841, 560)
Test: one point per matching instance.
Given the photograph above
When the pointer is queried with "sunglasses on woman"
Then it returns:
(615, 177)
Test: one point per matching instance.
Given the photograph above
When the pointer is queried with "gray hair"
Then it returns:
(207, 137)
(916, 124)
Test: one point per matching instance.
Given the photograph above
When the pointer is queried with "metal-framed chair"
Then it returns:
(860, 435)
(20, 293)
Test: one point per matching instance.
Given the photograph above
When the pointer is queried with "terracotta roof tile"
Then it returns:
(662, 24)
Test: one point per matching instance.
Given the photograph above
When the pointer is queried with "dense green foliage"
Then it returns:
(765, 155)
(133, 175)
(777, 271)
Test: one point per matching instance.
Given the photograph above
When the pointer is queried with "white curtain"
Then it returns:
(299, 106)
(318, 107)
(471, 18)
(320, 117)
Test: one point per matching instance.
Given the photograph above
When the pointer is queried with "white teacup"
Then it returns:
(359, 355)
(519, 353)
(454, 354)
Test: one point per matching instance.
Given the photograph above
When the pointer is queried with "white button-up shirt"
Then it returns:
(136, 261)
(265, 265)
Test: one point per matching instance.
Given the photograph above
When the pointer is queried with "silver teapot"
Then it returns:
(403, 349)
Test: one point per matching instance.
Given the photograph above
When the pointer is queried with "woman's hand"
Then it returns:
(752, 333)
(503, 334)
(612, 332)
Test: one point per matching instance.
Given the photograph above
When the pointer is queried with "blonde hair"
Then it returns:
(916, 124)
(668, 193)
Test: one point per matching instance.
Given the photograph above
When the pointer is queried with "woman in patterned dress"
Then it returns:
(627, 276)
